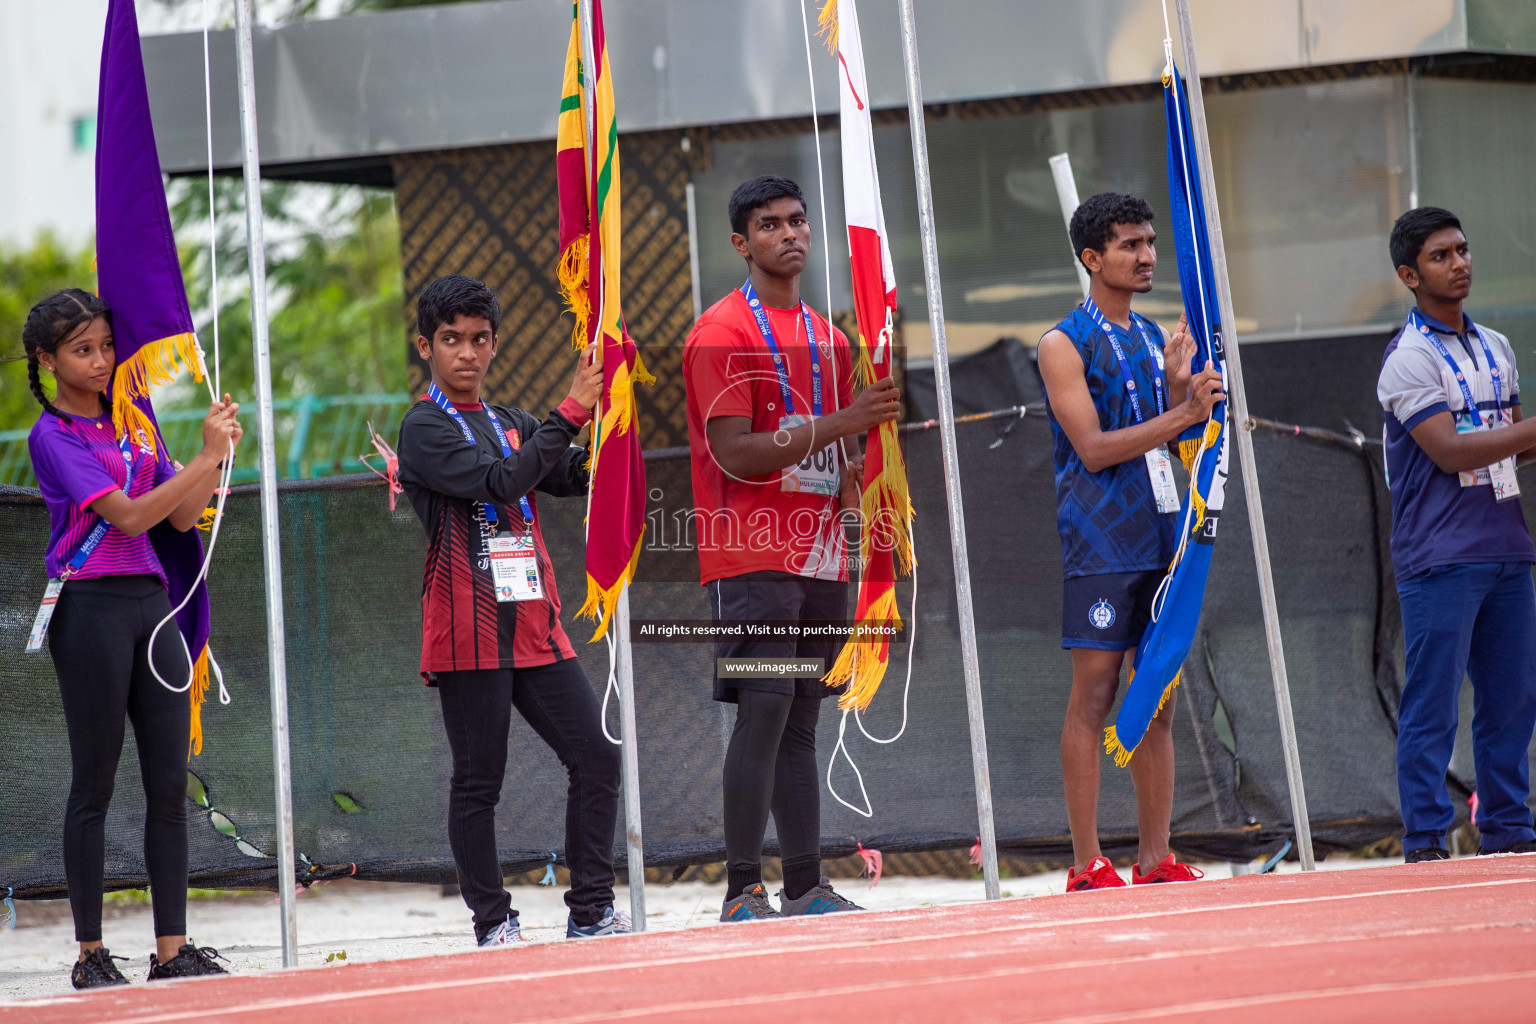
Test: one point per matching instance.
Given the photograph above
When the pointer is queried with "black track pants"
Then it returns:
(770, 764)
(99, 639)
(559, 703)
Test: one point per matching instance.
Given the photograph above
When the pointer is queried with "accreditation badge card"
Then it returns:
(1164, 490)
(817, 472)
(515, 568)
(44, 616)
(1500, 475)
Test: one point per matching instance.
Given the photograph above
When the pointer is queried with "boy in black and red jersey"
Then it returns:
(491, 638)
(770, 396)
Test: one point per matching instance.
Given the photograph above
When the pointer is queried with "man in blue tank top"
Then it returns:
(1113, 409)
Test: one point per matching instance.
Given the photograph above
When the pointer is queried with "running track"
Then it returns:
(1428, 941)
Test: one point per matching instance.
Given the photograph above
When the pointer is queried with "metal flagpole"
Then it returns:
(951, 458)
(631, 761)
(623, 653)
(270, 546)
(1242, 423)
(1066, 195)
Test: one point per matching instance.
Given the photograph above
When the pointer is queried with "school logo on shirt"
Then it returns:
(1101, 615)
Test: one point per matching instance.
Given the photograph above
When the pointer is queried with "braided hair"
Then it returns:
(51, 321)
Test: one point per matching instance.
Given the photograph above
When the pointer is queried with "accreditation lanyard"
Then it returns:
(94, 538)
(92, 541)
(436, 395)
(766, 330)
(1466, 391)
(1092, 309)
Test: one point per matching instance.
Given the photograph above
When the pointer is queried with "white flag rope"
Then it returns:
(862, 210)
(214, 382)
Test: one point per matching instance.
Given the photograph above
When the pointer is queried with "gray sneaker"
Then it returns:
(820, 900)
(751, 905)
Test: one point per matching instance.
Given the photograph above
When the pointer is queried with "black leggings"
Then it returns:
(771, 764)
(559, 703)
(99, 639)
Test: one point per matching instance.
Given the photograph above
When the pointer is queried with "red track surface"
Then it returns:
(1426, 941)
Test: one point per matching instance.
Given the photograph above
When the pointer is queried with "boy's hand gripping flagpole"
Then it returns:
(1239, 401)
(618, 388)
(934, 296)
(270, 548)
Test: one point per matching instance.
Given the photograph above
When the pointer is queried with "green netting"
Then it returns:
(315, 435)
(370, 764)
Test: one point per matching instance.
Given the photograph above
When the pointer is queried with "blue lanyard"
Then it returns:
(1159, 402)
(766, 330)
(94, 538)
(436, 394)
(1466, 392)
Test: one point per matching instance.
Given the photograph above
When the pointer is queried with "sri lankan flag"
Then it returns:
(139, 277)
(589, 253)
(885, 539)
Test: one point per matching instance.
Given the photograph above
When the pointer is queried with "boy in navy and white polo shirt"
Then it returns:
(1460, 546)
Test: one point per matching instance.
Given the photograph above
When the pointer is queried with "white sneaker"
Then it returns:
(613, 923)
(508, 933)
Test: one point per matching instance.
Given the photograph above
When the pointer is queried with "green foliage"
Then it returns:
(26, 275)
(336, 314)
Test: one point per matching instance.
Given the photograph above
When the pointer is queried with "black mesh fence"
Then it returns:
(370, 762)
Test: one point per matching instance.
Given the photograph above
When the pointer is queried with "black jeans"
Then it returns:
(99, 639)
(559, 703)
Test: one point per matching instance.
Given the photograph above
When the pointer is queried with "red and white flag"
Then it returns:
(885, 541)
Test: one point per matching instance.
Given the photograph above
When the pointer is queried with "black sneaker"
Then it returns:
(190, 962)
(1524, 846)
(1425, 853)
(96, 970)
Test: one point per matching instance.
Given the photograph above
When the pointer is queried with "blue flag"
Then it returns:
(1202, 449)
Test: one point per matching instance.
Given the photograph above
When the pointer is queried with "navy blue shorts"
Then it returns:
(1110, 611)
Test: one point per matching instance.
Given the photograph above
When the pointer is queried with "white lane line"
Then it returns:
(817, 995)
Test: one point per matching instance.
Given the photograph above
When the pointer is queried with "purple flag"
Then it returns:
(139, 275)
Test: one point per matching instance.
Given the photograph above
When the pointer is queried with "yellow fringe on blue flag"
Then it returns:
(1112, 745)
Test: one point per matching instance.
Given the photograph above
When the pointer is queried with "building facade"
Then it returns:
(1326, 123)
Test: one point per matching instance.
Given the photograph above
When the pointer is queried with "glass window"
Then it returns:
(1475, 159)
(1310, 179)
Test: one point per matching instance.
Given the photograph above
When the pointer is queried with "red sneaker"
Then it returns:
(1099, 874)
(1169, 870)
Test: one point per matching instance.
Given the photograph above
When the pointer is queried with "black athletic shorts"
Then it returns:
(1110, 611)
(770, 596)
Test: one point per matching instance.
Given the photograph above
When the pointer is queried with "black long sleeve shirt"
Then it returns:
(449, 481)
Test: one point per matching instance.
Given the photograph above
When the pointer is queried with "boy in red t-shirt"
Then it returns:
(770, 398)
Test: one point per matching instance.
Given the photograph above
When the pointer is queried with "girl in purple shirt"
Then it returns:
(101, 626)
